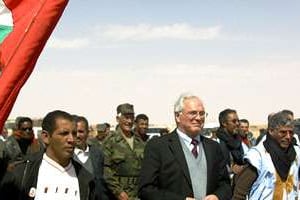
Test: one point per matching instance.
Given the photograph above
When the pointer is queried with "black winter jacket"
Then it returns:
(16, 185)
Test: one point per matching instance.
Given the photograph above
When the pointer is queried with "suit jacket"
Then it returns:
(165, 175)
(97, 159)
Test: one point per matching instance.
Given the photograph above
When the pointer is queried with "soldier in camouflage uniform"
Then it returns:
(123, 154)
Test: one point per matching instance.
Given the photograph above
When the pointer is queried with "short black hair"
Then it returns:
(141, 116)
(21, 120)
(223, 115)
(84, 120)
(244, 121)
(49, 121)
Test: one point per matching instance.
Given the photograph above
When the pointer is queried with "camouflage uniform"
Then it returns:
(122, 164)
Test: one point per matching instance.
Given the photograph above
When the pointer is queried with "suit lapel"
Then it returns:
(209, 157)
(176, 148)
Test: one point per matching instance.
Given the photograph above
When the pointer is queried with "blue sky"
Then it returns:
(238, 54)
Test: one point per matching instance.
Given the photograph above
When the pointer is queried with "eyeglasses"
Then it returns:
(26, 129)
(194, 114)
(235, 121)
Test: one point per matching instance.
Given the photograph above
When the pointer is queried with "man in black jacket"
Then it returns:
(52, 174)
(21, 143)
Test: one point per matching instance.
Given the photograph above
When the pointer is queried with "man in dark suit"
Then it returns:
(184, 164)
(90, 156)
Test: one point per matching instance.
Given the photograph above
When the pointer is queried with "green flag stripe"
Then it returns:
(4, 31)
(6, 21)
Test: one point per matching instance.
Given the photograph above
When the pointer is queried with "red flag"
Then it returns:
(33, 23)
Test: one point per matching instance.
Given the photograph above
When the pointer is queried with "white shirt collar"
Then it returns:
(186, 138)
(78, 151)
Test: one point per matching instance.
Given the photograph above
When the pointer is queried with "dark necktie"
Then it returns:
(194, 150)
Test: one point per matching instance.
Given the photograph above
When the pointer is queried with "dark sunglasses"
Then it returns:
(235, 121)
(26, 129)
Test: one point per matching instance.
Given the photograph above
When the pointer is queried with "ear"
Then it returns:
(118, 119)
(271, 132)
(45, 137)
(224, 124)
(177, 115)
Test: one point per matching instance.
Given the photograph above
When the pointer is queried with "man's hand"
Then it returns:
(123, 196)
(237, 168)
(10, 167)
(211, 197)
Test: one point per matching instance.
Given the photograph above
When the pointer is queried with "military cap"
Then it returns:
(125, 108)
(101, 127)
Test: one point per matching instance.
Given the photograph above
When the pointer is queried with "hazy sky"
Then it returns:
(235, 54)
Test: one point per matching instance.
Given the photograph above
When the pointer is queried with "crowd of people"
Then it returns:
(65, 163)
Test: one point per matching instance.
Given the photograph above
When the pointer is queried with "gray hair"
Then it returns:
(280, 119)
(178, 106)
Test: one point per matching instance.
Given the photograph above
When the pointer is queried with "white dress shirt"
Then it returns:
(82, 155)
(187, 140)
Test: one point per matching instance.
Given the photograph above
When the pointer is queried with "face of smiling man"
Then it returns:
(283, 135)
(192, 117)
(126, 122)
